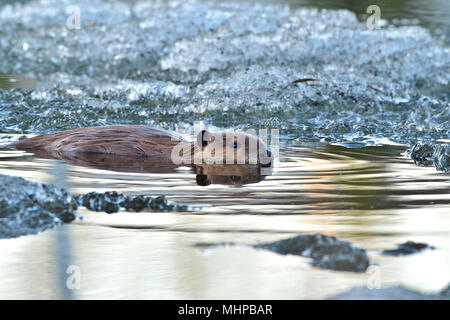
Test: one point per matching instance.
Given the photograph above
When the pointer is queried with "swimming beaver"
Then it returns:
(145, 149)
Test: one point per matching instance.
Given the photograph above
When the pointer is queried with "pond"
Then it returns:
(373, 197)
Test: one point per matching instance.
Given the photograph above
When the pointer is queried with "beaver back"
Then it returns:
(130, 140)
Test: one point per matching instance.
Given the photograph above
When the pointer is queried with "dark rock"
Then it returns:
(111, 202)
(407, 248)
(327, 252)
(29, 207)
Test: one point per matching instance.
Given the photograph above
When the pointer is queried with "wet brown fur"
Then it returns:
(129, 140)
(138, 148)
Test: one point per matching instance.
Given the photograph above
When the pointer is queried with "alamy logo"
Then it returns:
(373, 21)
(74, 19)
(374, 280)
(74, 278)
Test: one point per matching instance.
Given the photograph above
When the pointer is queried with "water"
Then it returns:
(342, 168)
(372, 196)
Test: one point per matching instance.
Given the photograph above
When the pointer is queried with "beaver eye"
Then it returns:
(235, 178)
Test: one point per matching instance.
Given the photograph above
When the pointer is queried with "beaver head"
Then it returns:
(221, 148)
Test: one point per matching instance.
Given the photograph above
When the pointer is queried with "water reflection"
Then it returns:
(231, 174)
(206, 174)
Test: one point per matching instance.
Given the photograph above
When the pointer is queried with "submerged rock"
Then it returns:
(29, 207)
(407, 248)
(327, 252)
(112, 201)
(392, 293)
(429, 154)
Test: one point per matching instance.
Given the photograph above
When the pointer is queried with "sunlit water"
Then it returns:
(373, 196)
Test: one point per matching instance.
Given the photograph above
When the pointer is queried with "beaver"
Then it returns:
(140, 148)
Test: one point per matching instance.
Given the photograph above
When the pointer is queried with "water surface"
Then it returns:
(372, 196)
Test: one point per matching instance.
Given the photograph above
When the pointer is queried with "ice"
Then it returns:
(173, 63)
(428, 154)
(29, 208)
